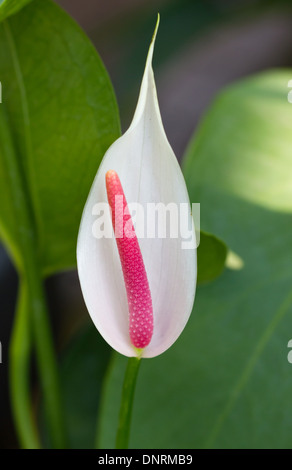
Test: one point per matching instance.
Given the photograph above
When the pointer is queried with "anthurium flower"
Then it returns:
(139, 290)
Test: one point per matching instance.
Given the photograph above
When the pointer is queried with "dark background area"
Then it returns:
(202, 46)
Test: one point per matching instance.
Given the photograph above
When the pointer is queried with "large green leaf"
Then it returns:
(82, 368)
(227, 382)
(9, 7)
(62, 116)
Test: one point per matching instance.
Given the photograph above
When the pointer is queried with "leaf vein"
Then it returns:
(247, 371)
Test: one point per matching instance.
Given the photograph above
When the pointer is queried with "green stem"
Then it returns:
(30, 273)
(128, 392)
(46, 358)
(20, 348)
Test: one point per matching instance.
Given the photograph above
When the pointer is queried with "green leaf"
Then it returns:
(62, 116)
(226, 383)
(9, 7)
(82, 368)
(211, 254)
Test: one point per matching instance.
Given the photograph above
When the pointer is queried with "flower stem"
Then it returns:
(123, 432)
(20, 348)
(32, 314)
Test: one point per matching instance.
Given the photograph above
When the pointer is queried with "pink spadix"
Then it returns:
(135, 277)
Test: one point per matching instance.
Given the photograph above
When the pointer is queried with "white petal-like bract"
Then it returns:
(149, 173)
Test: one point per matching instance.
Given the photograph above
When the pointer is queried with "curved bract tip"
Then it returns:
(151, 47)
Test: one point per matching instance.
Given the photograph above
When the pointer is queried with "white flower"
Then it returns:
(149, 173)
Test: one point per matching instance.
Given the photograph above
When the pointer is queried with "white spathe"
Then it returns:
(149, 172)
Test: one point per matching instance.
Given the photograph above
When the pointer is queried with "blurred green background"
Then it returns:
(202, 47)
